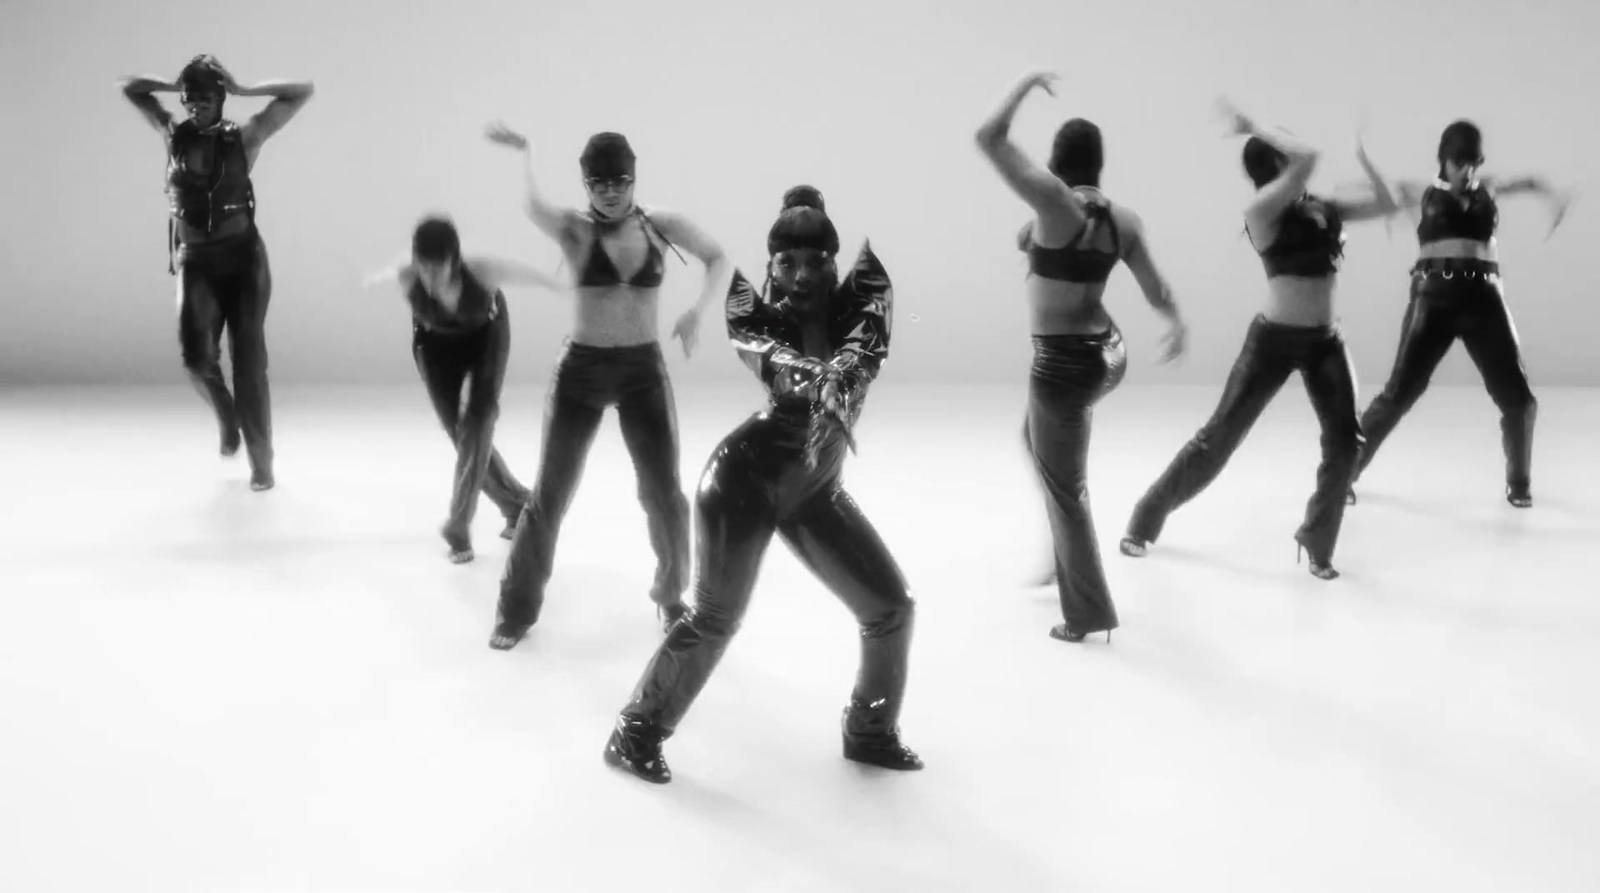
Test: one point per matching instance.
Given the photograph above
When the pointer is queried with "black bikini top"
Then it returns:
(1446, 215)
(600, 270)
(1077, 261)
(475, 308)
(1310, 240)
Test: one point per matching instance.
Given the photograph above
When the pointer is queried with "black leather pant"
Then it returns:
(1271, 352)
(1450, 300)
(227, 284)
(756, 484)
(587, 381)
(1070, 374)
(475, 362)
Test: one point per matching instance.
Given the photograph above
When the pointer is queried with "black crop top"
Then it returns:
(1446, 215)
(601, 270)
(1310, 240)
(475, 308)
(1077, 261)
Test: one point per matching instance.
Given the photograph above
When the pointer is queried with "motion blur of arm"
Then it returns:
(399, 272)
(556, 222)
(1042, 190)
(495, 272)
(1155, 288)
(1558, 200)
(1381, 202)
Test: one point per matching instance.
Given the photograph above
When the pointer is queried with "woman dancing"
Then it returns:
(817, 345)
(613, 358)
(1075, 240)
(1455, 293)
(220, 259)
(1300, 238)
(461, 337)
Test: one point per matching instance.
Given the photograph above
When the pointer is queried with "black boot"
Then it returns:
(636, 748)
(883, 750)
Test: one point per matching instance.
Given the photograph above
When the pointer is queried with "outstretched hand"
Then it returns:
(498, 132)
(687, 330)
(1235, 122)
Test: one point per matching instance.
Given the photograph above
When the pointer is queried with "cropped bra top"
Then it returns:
(1310, 240)
(1077, 261)
(1447, 215)
(600, 270)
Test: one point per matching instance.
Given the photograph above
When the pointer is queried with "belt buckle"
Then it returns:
(1449, 273)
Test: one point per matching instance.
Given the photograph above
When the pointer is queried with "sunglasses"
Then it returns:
(602, 184)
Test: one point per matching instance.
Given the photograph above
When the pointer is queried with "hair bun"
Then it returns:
(803, 197)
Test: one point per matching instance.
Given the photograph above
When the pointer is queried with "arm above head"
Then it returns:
(288, 98)
(554, 221)
(1261, 215)
(495, 272)
(140, 91)
(1042, 190)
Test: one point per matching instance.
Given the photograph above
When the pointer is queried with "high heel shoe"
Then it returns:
(1320, 570)
(1519, 497)
(1133, 547)
(1060, 631)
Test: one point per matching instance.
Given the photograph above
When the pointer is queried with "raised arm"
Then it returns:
(556, 222)
(140, 92)
(1042, 190)
(288, 98)
(495, 272)
(1261, 215)
(866, 310)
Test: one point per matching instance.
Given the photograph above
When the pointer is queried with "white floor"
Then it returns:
(208, 689)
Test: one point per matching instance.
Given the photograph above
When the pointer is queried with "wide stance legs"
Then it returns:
(754, 486)
(1271, 352)
(1468, 305)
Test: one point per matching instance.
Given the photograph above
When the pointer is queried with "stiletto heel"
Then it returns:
(1320, 570)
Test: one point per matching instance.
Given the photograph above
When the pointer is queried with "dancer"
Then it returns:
(1075, 240)
(817, 345)
(1455, 293)
(613, 358)
(461, 331)
(1300, 238)
(214, 248)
